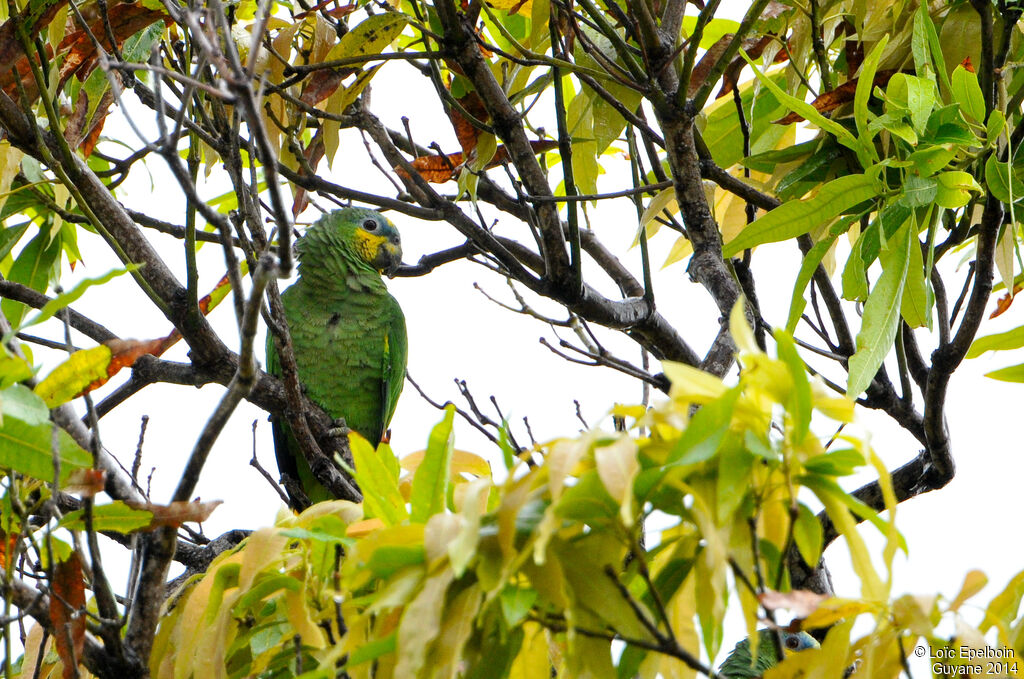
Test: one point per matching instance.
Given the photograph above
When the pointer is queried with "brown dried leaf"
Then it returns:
(86, 482)
(435, 169)
(176, 513)
(968, 66)
(1005, 301)
(126, 19)
(313, 154)
(829, 101)
(8, 545)
(67, 604)
(754, 47)
(439, 169)
(800, 602)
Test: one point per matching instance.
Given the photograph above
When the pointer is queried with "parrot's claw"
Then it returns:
(339, 430)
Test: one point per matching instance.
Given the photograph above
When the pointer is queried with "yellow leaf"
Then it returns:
(457, 626)
(682, 249)
(420, 624)
(361, 529)
(974, 582)
(532, 660)
(662, 201)
(68, 379)
(462, 463)
(299, 615)
(919, 614)
(692, 384)
(1004, 256)
(740, 330)
(440, 530)
(833, 610)
(562, 459)
(463, 547)
(617, 466)
(262, 548)
(523, 7)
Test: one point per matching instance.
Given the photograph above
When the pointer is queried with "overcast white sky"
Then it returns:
(456, 333)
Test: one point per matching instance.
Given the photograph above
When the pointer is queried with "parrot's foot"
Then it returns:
(339, 429)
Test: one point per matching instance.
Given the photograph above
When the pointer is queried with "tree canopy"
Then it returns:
(876, 140)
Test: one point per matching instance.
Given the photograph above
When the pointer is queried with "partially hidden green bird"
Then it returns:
(347, 330)
(739, 665)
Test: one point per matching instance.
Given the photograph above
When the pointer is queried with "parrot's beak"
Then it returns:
(389, 257)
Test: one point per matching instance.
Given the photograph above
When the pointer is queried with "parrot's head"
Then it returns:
(366, 234)
(801, 641)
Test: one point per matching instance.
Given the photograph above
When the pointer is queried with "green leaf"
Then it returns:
(371, 650)
(865, 85)
(516, 602)
(929, 160)
(808, 535)
(808, 266)
(20, 402)
(705, 431)
(734, 465)
(919, 191)
(1002, 181)
(1011, 339)
(919, 95)
(796, 218)
(954, 189)
(64, 299)
(799, 406)
(116, 516)
(27, 449)
(935, 47)
(32, 268)
(838, 463)
(881, 314)
(994, 127)
(1013, 373)
(380, 489)
(967, 93)
(914, 307)
(430, 484)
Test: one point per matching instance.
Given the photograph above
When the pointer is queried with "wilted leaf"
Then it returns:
(833, 99)
(67, 612)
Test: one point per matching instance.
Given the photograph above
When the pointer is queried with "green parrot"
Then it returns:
(347, 330)
(738, 663)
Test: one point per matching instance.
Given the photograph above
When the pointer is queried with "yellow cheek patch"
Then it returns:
(368, 245)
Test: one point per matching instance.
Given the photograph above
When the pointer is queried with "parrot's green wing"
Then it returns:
(739, 664)
(396, 356)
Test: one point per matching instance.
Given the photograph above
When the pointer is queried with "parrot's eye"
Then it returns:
(370, 225)
(793, 642)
